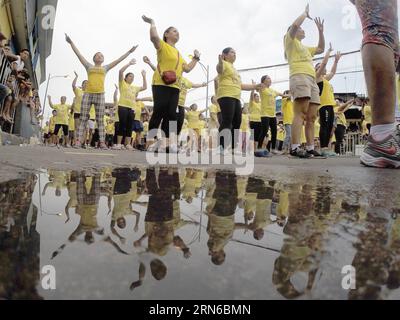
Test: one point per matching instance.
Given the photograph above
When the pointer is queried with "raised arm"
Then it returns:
(189, 67)
(116, 100)
(321, 42)
(154, 37)
(334, 67)
(298, 22)
(324, 63)
(197, 86)
(344, 107)
(252, 87)
(144, 86)
(50, 102)
(124, 68)
(252, 92)
(75, 82)
(84, 62)
(147, 61)
(120, 59)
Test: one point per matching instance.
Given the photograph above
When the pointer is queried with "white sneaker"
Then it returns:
(117, 147)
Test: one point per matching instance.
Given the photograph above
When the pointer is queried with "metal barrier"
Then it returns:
(352, 142)
(5, 71)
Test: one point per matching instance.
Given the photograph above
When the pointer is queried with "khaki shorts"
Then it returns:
(304, 86)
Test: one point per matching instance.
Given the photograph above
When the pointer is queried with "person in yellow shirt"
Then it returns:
(280, 136)
(194, 125)
(229, 93)
(126, 106)
(341, 121)
(78, 92)
(255, 117)
(52, 128)
(95, 91)
(213, 123)
(245, 130)
(268, 114)
(63, 110)
(138, 123)
(166, 81)
(367, 112)
(110, 132)
(288, 116)
(46, 133)
(326, 112)
(303, 85)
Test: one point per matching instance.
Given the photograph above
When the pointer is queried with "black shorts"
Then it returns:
(77, 116)
(63, 127)
(46, 136)
(137, 126)
(256, 128)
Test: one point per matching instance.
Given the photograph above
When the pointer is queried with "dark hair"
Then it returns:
(24, 50)
(264, 78)
(128, 74)
(167, 31)
(227, 50)
(96, 55)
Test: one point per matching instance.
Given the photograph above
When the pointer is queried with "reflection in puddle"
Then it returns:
(188, 234)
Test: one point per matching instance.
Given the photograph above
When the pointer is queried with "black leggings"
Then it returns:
(231, 110)
(181, 119)
(266, 124)
(339, 133)
(165, 104)
(256, 126)
(126, 118)
(369, 128)
(327, 118)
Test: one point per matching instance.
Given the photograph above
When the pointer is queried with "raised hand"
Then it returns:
(68, 39)
(143, 73)
(197, 54)
(320, 24)
(338, 56)
(221, 58)
(132, 62)
(116, 87)
(204, 84)
(307, 11)
(330, 47)
(146, 59)
(133, 49)
(147, 19)
(76, 75)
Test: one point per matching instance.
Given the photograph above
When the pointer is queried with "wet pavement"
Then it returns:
(164, 233)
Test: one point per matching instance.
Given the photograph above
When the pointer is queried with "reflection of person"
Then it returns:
(221, 219)
(88, 197)
(58, 181)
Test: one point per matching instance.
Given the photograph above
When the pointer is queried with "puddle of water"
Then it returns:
(191, 234)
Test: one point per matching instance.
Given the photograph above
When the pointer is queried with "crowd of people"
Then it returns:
(311, 116)
(18, 88)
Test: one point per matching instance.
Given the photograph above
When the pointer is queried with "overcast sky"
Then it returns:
(255, 28)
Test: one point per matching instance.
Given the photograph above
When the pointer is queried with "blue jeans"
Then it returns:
(3, 93)
(287, 143)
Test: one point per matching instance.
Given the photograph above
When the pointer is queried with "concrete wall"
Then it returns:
(23, 126)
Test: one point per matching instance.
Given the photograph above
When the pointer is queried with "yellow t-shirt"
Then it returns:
(62, 113)
(317, 128)
(328, 95)
(255, 111)
(45, 129)
(185, 86)
(52, 124)
(92, 113)
(303, 136)
(245, 123)
(229, 82)
(78, 100)
(215, 109)
(133, 135)
(287, 110)
(145, 128)
(368, 114)
(268, 102)
(139, 107)
(167, 57)
(299, 57)
(71, 123)
(341, 118)
(193, 119)
(281, 135)
(96, 79)
(110, 129)
(127, 95)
